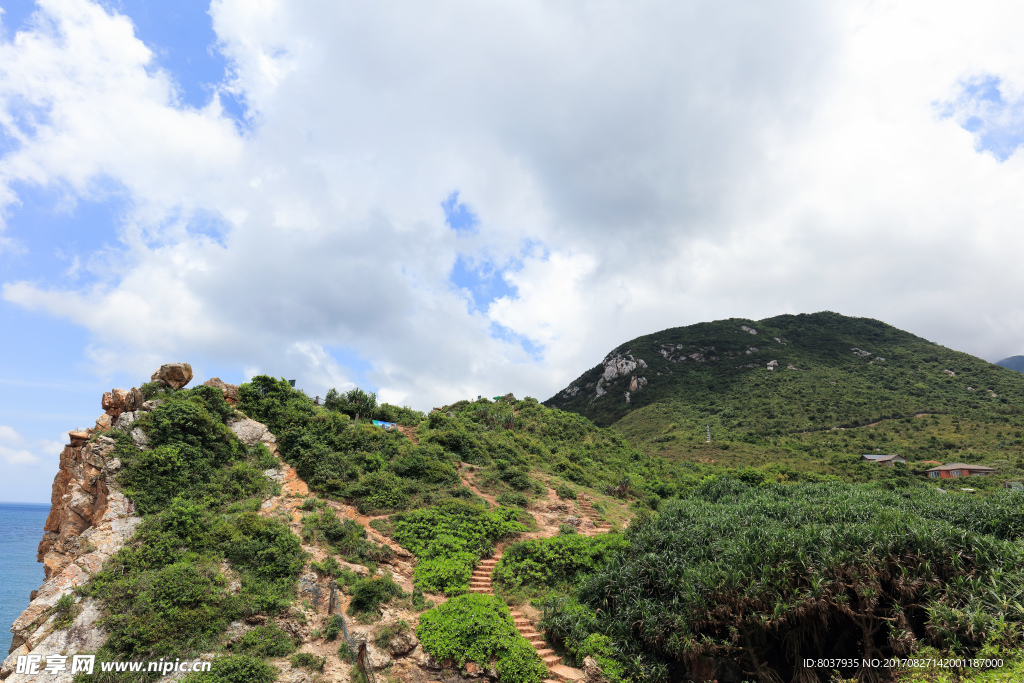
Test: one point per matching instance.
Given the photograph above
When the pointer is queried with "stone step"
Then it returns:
(551, 660)
(545, 651)
(535, 641)
(566, 674)
(475, 589)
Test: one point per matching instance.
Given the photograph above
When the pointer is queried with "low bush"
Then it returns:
(388, 633)
(370, 593)
(512, 499)
(344, 537)
(565, 492)
(479, 628)
(768, 574)
(308, 660)
(449, 538)
(333, 627)
(546, 563)
(265, 641)
(235, 669)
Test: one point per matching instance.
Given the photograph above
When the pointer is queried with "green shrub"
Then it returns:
(379, 492)
(477, 628)
(566, 530)
(177, 610)
(265, 641)
(448, 574)
(418, 601)
(549, 562)
(512, 499)
(333, 627)
(370, 593)
(565, 492)
(449, 538)
(428, 463)
(65, 611)
(152, 478)
(330, 567)
(345, 537)
(734, 565)
(235, 669)
(389, 632)
(345, 653)
(274, 403)
(308, 660)
(264, 547)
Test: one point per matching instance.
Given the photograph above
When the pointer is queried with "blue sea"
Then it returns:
(21, 529)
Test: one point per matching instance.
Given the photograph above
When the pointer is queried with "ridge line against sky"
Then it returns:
(450, 200)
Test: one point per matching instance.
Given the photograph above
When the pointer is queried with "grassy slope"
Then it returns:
(837, 404)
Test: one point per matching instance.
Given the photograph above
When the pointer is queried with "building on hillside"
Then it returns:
(959, 469)
(886, 460)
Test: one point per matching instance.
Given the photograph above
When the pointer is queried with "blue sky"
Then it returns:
(995, 120)
(435, 202)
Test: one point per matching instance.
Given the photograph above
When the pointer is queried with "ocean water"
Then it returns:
(21, 529)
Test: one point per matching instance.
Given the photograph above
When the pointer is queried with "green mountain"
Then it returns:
(821, 383)
(1013, 363)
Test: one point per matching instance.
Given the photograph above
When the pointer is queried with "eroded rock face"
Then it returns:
(618, 365)
(90, 520)
(174, 375)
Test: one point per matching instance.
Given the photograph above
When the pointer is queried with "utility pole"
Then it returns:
(709, 434)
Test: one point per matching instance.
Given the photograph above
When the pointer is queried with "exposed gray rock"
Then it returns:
(251, 432)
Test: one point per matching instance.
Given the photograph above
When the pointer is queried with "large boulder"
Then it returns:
(173, 375)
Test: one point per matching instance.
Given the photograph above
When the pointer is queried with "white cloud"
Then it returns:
(16, 450)
(671, 163)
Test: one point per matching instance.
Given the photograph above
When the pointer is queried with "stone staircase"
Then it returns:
(587, 509)
(480, 582)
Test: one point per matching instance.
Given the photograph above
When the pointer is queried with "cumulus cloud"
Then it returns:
(16, 450)
(628, 167)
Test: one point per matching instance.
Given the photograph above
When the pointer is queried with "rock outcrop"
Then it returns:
(616, 365)
(89, 521)
(173, 375)
(230, 390)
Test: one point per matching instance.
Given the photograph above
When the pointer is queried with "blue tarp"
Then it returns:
(384, 425)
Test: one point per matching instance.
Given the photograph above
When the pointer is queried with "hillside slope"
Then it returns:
(792, 372)
(810, 392)
(1013, 363)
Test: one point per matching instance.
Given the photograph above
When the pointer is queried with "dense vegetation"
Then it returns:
(478, 628)
(539, 565)
(505, 443)
(759, 577)
(745, 555)
(165, 593)
(839, 387)
(449, 539)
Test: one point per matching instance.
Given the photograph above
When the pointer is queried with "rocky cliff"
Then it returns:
(89, 521)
